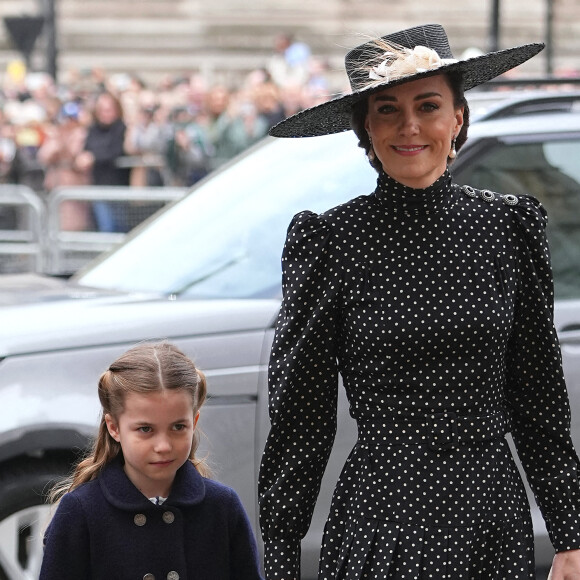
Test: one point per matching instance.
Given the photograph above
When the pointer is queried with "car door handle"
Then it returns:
(570, 327)
(569, 336)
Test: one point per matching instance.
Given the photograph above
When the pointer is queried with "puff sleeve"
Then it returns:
(536, 388)
(303, 385)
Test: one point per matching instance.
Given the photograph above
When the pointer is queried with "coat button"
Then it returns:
(140, 520)
(149, 577)
(168, 517)
(173, 575)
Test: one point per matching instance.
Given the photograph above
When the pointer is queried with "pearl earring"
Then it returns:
(453, 152)
(371, 152)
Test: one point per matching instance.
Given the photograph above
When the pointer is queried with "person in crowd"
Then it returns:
(7, 147)
(293, 99)
(29, 131)
(147, 139)
(63, 143)
(134, 96)
(104, 147)
(434, 302)
(189, 150)
(290, 60)
(234, 124)
(141, 504)
(266, 98)
(8, 215)
(196, 94)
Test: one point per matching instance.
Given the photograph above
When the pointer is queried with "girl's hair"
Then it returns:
(360, 110)
(144, 369)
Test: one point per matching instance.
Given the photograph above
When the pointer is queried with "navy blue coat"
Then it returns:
(107, 529)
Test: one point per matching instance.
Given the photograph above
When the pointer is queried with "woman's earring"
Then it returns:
(453, 152)
(371, 152)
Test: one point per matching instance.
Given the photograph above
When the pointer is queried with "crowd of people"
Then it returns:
(96, 128)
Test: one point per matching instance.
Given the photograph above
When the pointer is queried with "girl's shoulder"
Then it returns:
(219, 494)
(79, 500)
(84, 490)
(74, 506)
(219, 491)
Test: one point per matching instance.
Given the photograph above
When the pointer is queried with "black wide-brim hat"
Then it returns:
(375, 65)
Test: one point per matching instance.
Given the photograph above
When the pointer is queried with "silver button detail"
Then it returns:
(141, 520)
(149, 577)
(487, 195)
(510, 199)
(168, 517)
(469, 191)
(173, 575)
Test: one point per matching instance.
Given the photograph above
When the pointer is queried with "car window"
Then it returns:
(548, 170)
(225, 239)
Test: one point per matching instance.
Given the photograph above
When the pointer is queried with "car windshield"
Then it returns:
(225, 239)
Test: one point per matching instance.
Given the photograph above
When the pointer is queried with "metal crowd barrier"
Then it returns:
(22, 218)
(125, 207)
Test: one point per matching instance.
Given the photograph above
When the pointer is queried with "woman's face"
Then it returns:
(106, 110)
(411, 127)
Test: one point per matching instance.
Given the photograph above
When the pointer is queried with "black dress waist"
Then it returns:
(440, 431)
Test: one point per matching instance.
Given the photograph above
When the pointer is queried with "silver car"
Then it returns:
(205, 274)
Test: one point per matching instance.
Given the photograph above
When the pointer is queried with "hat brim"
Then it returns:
(334, 116)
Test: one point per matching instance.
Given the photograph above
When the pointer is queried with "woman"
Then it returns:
(103, 149)
(434, 302)
(63, 143)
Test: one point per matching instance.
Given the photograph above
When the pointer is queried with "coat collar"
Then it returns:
(188, 488)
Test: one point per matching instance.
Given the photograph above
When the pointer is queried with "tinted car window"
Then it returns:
(548, 170)
(225, 239)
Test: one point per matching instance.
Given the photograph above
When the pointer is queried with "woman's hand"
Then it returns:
(566, 566)
(84, 161)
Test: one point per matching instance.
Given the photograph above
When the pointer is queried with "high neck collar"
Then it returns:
(405, 200)
(188, 487)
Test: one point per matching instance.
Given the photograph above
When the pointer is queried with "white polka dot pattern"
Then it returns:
(425, 301)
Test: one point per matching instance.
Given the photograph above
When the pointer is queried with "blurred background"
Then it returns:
(154, 95)
(227, 39)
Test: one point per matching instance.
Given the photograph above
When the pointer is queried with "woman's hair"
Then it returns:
(144, 369)
(360, 110)
(114, 100)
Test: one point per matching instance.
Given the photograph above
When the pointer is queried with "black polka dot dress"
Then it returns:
(435, 306)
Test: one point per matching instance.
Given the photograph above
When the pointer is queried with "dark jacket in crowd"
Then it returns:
(107, 529)
(106, 143)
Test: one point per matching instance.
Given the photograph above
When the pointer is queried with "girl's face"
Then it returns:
(156, 435)
(411, 127)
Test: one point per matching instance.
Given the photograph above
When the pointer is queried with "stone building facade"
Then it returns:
(224, 39)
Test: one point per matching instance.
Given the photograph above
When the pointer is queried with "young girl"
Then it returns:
(140, 505)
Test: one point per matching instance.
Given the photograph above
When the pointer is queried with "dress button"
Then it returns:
(487, 195)
(173, 575)
(510, 199)
(469, 191)
(149, 577)
(168, 517)
(140, 519)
